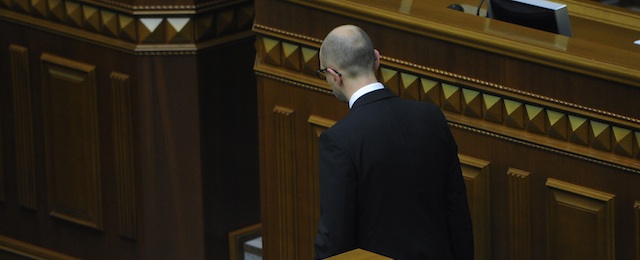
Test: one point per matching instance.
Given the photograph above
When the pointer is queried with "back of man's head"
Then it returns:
(349, 50)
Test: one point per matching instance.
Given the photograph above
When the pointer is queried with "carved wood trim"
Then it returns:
(519, 199)
(573, 208)
(476, 177)
(147, 30)
(30, 251)
(123, 154)
(284, 123)
(22, 107)
(72, 161)
(554, 125)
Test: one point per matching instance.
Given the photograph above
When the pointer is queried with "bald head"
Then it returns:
(349, 50)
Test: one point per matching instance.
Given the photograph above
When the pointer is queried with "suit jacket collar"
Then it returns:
(372, 97)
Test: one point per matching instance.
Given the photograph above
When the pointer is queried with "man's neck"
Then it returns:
(363, 91)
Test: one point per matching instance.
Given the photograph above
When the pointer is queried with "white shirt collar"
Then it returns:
(364, 90)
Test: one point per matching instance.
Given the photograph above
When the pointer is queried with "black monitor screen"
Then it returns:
(538, 14)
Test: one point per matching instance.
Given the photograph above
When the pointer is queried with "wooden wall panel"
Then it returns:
(576, 209)
(22, 107)
(124, 161)
(519, 197)
(70, 116)
(476, 175)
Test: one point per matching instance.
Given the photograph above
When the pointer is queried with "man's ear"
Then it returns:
(377, 63)
(336, 78)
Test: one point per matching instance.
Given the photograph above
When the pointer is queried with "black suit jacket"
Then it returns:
(390, 183)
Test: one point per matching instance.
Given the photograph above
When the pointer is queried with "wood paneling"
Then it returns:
(25, 161)
(575, 209)
(476, 175)
(522, 115)
(559, 132)
(141, 127)
(124, 161)
(519, 214)
(71, 140)
(15, 249)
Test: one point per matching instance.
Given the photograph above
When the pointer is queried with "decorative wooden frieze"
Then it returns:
(22, 107)
(451, 98)
(143, 29)
(291, 56)
(558, 126)
(391, 79)
(431, 91)
(472, 103)
(579, 130)
(514, 113)
(535, 119)
(271, 51)
(409, 86)
(493, 108)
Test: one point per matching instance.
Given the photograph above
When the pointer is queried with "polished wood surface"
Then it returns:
(128, 129)
(597, 48)
(548, 133)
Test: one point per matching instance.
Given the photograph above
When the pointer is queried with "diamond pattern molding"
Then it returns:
(134, 28)
(486, 108)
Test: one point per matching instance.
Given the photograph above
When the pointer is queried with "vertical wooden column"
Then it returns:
(519, 214)
(22, 106)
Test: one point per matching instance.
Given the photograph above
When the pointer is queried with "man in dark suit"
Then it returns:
(390, 178)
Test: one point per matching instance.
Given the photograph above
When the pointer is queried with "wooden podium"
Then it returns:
(547, 126)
